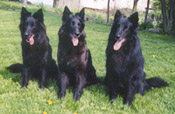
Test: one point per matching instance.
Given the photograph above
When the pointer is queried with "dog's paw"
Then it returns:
(61, 95)
(77, 96)
(24, 85)
(42, 87)
(127, 102)
(112, 98)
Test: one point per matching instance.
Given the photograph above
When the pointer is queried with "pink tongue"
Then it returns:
(75, 41)
(31, 40)
(118, 44)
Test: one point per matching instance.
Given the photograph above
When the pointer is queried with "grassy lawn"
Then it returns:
(158, 50)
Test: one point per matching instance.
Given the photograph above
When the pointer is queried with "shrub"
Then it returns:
(145, 25)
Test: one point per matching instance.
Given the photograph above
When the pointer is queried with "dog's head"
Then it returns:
(122, 28)
(30, 25)
(73, 24)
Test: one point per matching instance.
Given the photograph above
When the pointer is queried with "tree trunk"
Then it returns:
(164, 15)
(55, 3)
(24, 2)
(174, 24)
(171, 12)
(147, 9)
(135, 6)
(108, 7)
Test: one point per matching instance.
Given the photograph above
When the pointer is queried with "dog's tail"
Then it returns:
(15, 68)
(155, 82)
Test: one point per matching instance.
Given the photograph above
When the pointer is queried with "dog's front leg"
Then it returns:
(43, 78)
(129, 94)
(112, 88)
(25, 76)
(63, 82)
(80, 82)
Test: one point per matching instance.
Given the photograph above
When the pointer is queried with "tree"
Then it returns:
(24, 2)
(168, 15)
(108, 7)
(147, 9)
(135, 6)
(55, 3)
(164, 14)
(171, 14)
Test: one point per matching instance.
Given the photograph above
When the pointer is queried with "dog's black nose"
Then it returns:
(76, 34)
(26, 34)
(118, 36)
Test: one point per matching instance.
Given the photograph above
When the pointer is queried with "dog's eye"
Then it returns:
(73, 23)
(79, 24)
(125, 27)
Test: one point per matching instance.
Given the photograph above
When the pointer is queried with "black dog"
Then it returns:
(74, 58)
(36, 51)
(124, 61)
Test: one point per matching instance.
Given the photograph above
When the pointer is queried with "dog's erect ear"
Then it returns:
(66, 13)
(117, 14)
(134, 19)
(82, 13)
(39, 15)
(24, 13)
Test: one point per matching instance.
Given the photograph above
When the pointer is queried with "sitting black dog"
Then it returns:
(74, 58)
(36, 50)
(124, 61)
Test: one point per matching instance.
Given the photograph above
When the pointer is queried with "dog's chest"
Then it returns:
(35, 56)
(117, 59)
(72, 59)
(124, 65)
(119, 62)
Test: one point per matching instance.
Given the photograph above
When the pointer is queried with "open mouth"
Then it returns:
(117, 45)
(30, 39)
(75, 40)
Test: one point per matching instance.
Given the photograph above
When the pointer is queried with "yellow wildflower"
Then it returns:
(44, 112)
(75, 113)
(49, 102)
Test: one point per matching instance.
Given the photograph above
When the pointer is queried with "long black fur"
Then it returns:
(37, 57)
(75, 62)
(125, 66)
(15, 68)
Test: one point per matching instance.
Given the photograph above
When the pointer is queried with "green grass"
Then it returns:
(158, 50)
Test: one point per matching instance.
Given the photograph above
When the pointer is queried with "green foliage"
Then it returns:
(145, 25)
(158, 12)
(41, 5)
(157, 6)
(58, 10)
(94, 16)
(158, 51)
